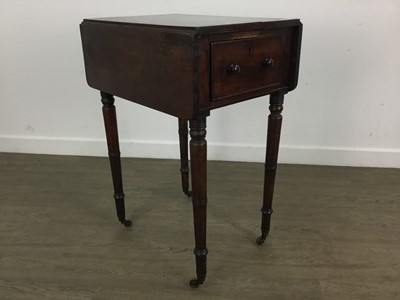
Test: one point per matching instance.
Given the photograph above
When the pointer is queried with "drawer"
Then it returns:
(245, 65)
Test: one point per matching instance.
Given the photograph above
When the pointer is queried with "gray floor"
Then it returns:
(335, 232)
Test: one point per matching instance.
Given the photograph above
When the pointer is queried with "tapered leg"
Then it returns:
(110, 123)
(271, 158)
(198, 162)
(183, 145)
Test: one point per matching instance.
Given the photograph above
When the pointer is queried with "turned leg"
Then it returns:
(271, 158)
(198, 163)
(183, 145)
(110, 123)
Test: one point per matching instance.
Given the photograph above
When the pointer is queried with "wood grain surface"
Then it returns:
(335, 235)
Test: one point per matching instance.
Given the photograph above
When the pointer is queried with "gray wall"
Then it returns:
(345, 111)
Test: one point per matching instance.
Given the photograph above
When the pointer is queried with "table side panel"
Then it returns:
(150, 67)
(202, 78)
(295, 56)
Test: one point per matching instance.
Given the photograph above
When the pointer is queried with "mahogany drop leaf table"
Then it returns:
(186, 66)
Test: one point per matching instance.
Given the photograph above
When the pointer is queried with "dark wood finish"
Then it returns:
(295, 57)
(127, 59)
(183, 146)
(129, 62)
(186, 66)
(271, 159)
(198, 162)
(239, 66)
(110, 124)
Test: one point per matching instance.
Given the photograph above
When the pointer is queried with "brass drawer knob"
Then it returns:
(268, 63)
(233, 68)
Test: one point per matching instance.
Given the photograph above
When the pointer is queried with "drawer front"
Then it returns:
(245, 65)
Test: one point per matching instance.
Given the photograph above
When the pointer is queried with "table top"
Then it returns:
(199, 23)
